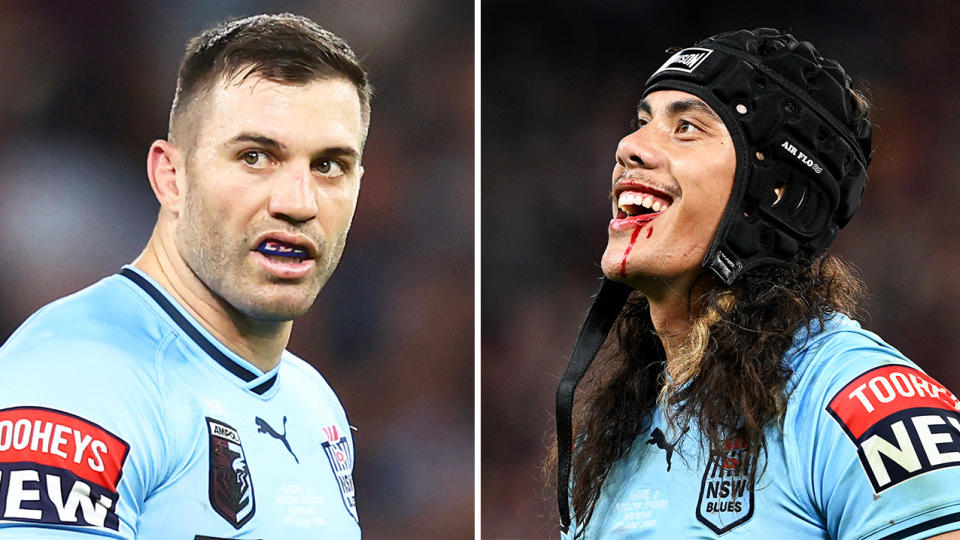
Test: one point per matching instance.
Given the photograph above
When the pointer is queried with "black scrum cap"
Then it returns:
(802, 148)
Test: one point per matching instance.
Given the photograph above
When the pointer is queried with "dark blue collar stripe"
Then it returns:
(265, 385)
(195, 334)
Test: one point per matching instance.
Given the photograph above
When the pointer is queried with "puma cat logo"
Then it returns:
(657, 437)
(264, 427)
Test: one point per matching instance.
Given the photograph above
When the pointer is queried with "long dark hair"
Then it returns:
(728, 379)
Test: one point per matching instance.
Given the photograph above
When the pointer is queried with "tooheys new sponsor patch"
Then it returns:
(58, 468)
(903, 422)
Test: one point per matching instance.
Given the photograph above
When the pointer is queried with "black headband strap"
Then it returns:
(603, 313)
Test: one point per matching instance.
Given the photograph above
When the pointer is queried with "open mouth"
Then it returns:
(635, 203)
(283, 252)
(285, 256)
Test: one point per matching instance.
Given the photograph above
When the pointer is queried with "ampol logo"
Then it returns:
(230, 483)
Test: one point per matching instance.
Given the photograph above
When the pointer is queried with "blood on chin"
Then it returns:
(629, 223)
(623, 249)
(632, 273)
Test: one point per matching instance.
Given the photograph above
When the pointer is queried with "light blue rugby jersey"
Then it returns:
(869, 448)
(121, 416)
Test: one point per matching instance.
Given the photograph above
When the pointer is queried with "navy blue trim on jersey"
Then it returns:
(925, 526)
(212, 350)
(265, 385)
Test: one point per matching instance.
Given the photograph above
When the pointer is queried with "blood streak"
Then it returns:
(649, 231)
(633, 240)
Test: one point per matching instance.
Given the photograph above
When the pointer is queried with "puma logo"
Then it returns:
(657, 437)
(264, 427)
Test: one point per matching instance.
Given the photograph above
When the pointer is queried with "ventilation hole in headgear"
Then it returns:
(847, 162)
(810, 74)
(822, 133)
(779, 190)
(760, 155)
(790, 106)
(749, 210)
(759, 82)
(741, 108)
(803, 197)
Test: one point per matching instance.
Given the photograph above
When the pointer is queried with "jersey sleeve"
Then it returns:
(79, 439)
(877, 442)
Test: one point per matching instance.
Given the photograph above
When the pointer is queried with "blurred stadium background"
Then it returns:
(560, 83)
(87, 87)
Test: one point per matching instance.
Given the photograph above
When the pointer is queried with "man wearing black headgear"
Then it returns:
(739, 396)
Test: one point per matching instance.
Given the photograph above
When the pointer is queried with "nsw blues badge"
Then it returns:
(231, 487)
(340, 455)
(726, 491)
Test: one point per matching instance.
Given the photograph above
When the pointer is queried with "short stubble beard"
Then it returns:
(220, 264)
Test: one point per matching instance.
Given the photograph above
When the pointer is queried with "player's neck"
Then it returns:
(672, 313)
(259, 342)
(671, 319)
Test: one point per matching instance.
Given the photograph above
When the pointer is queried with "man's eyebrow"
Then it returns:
(340, 151)
(680, 106)
(262, 140)
(644, 106)
(685, 105)
(279, 147)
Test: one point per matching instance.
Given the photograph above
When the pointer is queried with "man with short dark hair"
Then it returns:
(206, 426)
(739, 397)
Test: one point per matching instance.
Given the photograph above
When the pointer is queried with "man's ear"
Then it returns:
(163, 166)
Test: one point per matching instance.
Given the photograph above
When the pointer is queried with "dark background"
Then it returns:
(85, 87)
(560, 83)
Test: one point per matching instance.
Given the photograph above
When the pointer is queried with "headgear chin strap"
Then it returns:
(603, 313)
(802, 150)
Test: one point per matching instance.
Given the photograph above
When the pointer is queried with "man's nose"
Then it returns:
(294, 199)
(638, 151)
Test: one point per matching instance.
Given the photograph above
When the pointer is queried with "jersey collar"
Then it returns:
(256, 381)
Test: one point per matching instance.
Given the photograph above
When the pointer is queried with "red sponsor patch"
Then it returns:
(886, 390)
(903, 423)
(59, 439)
